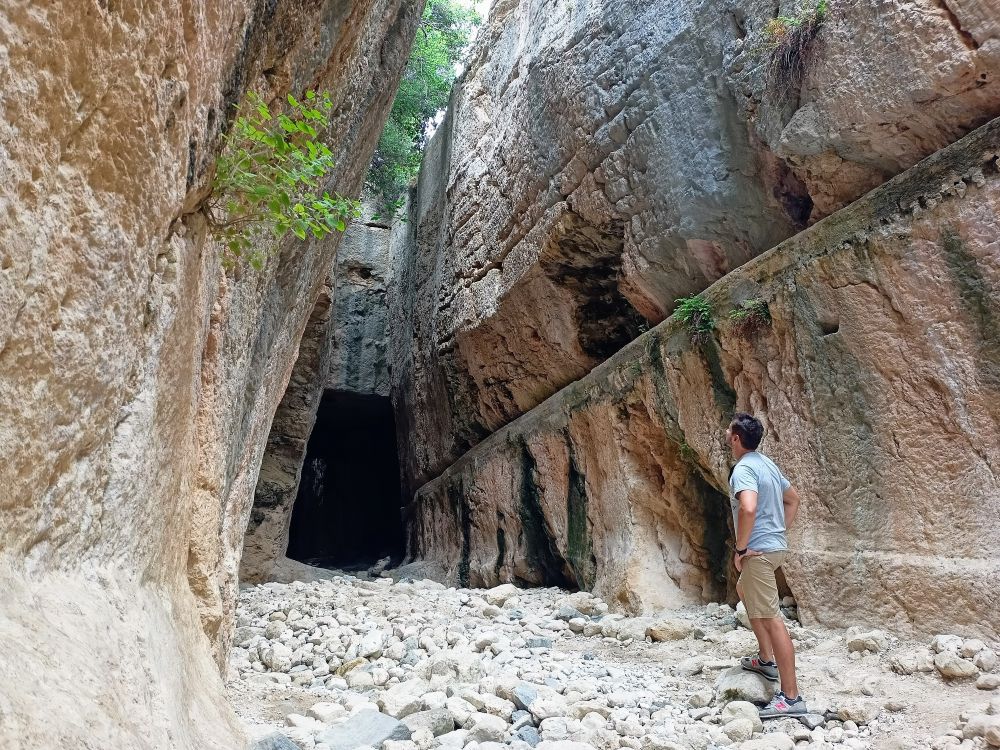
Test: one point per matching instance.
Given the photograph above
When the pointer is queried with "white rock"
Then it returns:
(770, 741)
(736, 684)
(554, 728)
(701, 698)
(327, 712)
(485, 727)
(858, 712)
(499, 594)
(944, 642)
(736, 710)
(460, 708)
(986, 660)
(912, 662)
(741, 615)
(870, 640)
(456, 739)
(372, 644)
(979, 725)
(988, 682)
(358, 680)
(277, 657)
(738, 730)
(304, 722)
(435, 699)
(951, 665)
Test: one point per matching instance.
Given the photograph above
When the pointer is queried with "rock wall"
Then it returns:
(877, 379)
(601, 159)
(342, 349)
(137, 378)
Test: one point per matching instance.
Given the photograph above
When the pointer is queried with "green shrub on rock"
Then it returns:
(270, 178)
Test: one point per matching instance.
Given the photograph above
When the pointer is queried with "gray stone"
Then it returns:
(529, 734)
(437, 721)
(538, 642)
(813, 720)
(485, 727)
(568, 613)
(275, 741)
(523, 694)
(366, 727)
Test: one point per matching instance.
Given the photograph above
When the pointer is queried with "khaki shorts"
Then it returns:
(759, 587)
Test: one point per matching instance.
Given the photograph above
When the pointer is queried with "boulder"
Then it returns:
(367, 727)
(437, 721)
(737, 684)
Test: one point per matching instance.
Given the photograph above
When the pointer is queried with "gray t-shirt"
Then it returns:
(760, 474)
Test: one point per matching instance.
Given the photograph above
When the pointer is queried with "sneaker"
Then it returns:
(755, 664)
(782, 706)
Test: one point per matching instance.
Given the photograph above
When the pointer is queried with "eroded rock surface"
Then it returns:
(601, 159)
(137, 378)
(876, 372)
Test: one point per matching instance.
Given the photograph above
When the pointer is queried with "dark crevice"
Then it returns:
(793, 195)
(501, 547)
(457, 499)
(586, 260)
(536, 542)
(967, 38)
(579, 546)
(717, 537)
(347, 510)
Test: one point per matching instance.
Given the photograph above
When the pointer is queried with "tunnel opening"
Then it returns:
(347, 512)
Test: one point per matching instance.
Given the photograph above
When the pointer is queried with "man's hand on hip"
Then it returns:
(738, 558)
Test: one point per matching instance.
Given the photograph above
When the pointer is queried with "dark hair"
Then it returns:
(748, 429)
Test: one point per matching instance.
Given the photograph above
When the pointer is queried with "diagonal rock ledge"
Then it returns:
(877, 379)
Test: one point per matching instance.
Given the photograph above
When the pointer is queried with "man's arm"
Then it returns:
(790, 499)
(746, 517)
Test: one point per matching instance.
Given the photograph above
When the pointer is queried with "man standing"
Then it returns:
(764, 505)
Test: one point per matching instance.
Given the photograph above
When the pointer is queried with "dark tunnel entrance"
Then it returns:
(347, 512)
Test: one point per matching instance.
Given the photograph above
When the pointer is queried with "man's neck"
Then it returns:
(740, 452)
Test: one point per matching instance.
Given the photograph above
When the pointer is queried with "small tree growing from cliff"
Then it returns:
(270, 176)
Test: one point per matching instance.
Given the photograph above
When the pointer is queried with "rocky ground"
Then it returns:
(346, 662)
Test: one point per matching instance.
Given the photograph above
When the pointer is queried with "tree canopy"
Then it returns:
(441, 41)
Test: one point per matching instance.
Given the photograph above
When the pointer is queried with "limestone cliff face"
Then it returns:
(137, 378)
(878, 378)
(601, 159)
(342, 349)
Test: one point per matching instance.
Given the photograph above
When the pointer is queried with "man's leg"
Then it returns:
(764, 647)
(784, 652)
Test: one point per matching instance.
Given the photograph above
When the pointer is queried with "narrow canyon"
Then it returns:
(447, 469)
